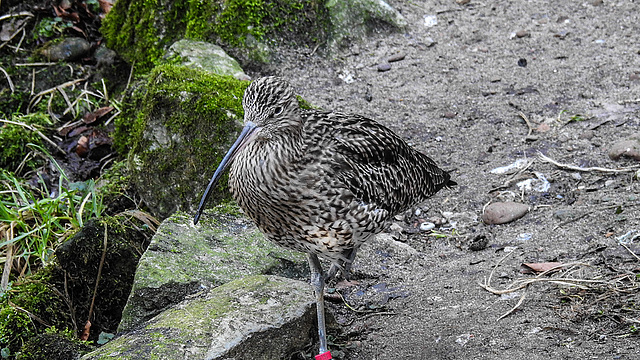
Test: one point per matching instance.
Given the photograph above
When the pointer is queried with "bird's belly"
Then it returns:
(303, 210)
(310, 222)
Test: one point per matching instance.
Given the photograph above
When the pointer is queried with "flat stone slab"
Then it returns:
(257, 317)
(184, 259)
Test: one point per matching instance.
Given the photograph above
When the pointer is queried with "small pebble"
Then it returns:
(426, 226)
(503, 212)
(67, 50)
(479, 243)
(430, 21)
(397, 57)
(522, 33)
(544, 127)
(628, 148)
(395, 227)
(429, 42)
(587, 134)
(522, 62)
(561, 34)
(384, 67)
(450, 115)
(105, 57)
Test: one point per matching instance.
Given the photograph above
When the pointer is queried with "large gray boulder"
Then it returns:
(257, 317)
(184, 259)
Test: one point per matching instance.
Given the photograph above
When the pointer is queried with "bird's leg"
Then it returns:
(317, 281)
(346, 267)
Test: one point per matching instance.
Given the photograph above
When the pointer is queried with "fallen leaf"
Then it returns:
(106, 5)
(77, 131)
(9, 28)
(91, 117)
(532, 268)
(83, 146)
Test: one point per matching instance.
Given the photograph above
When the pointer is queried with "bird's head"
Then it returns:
(271, 111)
(270, 101)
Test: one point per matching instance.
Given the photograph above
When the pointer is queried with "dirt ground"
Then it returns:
(573, 70)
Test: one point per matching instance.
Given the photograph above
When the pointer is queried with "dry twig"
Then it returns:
(544, 158)
(631, 252)
(565, 280)
(526, 120)
(13, 88)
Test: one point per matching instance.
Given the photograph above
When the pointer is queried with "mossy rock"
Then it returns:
(205, 56)
(52, 346)
(353, 20)
(28, 308)
(176, 127)
(141, 31)
(80, 257)
(255, 317)
(59, 296)
(183, 259)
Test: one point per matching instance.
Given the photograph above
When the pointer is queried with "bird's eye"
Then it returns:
(277, 111)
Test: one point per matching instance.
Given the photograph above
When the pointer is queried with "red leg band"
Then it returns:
(324, 356)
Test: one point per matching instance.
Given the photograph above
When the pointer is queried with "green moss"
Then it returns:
(131, 29)
(53, 344)
(115, 183)
(141, 30)
(28, 308)
(182, 97)
(14, 139)
(300, 22)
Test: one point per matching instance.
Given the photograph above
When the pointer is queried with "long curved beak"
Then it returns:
(242, 139)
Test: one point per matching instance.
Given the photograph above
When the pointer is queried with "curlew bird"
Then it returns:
(320, 182)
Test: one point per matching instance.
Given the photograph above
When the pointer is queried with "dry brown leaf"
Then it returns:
(83, 146)
(106, 5)
(91, 117)
(531, 268)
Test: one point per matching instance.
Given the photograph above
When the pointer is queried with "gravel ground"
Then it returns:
(461, 92)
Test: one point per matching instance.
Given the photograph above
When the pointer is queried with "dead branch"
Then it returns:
(544, 158)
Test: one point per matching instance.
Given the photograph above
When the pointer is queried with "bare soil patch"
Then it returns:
(489, 84)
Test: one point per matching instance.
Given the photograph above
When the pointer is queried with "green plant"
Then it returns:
(35, 220)
(50, 27)
(576, 118)
(93, 5)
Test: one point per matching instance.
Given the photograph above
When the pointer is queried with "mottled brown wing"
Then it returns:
(377, 165)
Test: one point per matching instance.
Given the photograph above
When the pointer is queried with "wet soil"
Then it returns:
(461, 95)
